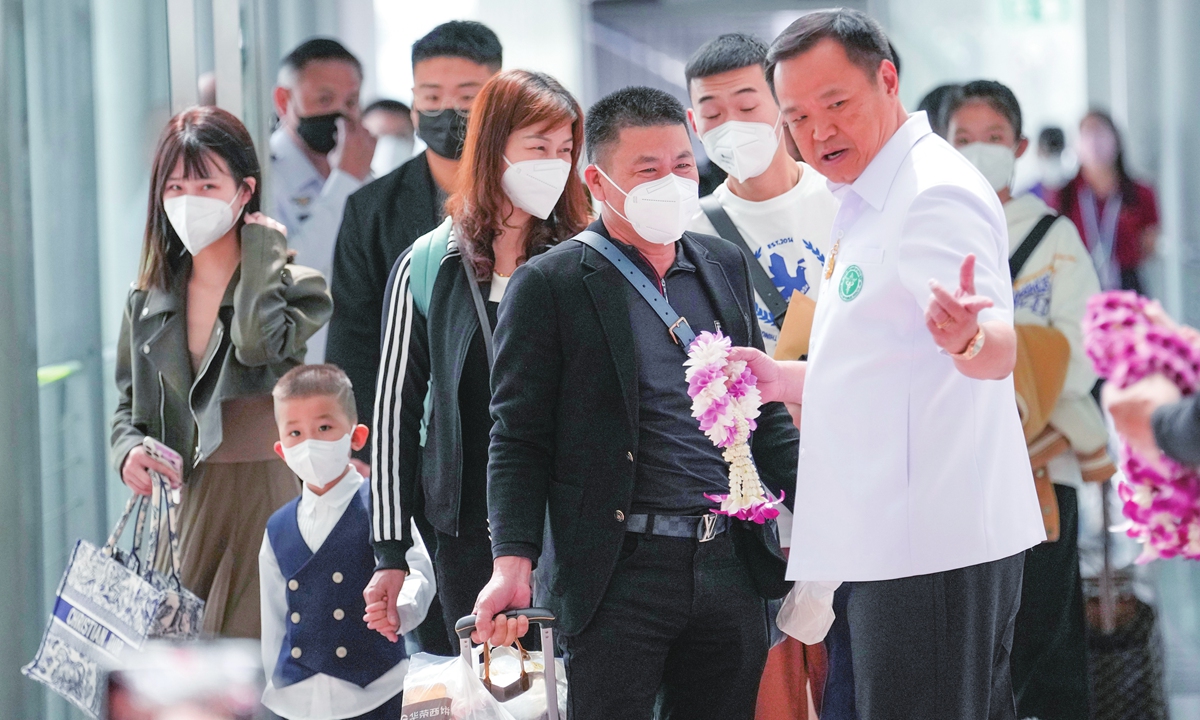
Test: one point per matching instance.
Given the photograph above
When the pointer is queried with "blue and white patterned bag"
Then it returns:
(110, 602)
(103, 611)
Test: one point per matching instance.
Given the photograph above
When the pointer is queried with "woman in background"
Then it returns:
(1116, 215)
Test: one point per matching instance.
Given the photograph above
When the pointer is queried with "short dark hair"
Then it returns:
(936, 105)
(305, 381)
(318, 48)
(1052, 140)
(996, 95)
(635, 106)
(467, 39)
(865, 42)
(388, 105)
(731, 51)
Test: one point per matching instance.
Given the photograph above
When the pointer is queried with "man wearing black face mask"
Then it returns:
(319, 154)
(450, 66)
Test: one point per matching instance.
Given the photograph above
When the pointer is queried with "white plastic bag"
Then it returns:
(807, 611)
(446, 688)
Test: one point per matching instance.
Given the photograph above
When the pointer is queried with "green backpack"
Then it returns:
(425, 260)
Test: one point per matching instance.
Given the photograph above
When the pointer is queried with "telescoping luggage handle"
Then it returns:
(541, 617)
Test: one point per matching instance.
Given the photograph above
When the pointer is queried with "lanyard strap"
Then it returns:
(480, 309)
(1101, 232)
(677, 325)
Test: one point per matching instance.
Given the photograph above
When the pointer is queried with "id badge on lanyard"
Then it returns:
(1101, 232)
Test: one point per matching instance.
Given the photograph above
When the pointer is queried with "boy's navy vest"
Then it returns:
(325, 629)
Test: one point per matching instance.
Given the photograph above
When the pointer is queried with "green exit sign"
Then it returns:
(1036, 11)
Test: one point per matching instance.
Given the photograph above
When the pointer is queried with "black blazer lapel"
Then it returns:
(715, 278)
(609, 294)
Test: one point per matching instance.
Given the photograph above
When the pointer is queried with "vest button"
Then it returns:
(296, 652)
(619, 515)
(341, 652)
(337, 577)
(339, 614)
(295, 618)
(293, 585)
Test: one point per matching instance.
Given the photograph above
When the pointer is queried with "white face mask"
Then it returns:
(742, 149)
(661, 209)
(535, 185)
(200, 221)
(390, 153)
(996, 162)
(319, 462)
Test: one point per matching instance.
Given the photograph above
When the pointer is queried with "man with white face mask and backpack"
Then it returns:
(777, 210)
(1053, 277)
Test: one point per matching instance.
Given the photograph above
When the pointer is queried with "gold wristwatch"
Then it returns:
(973, 347)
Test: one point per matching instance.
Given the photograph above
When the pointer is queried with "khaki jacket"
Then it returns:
(268, 313)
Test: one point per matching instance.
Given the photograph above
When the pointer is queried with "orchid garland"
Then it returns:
(725, 399)
(1128, 339)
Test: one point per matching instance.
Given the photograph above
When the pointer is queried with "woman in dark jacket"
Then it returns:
(217, 315)
(519, 193)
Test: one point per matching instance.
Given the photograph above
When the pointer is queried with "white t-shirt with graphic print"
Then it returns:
(789, 234)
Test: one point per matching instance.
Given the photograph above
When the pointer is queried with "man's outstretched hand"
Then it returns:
(381, 595)
(953, 317)
(508, 589)
(778, 380)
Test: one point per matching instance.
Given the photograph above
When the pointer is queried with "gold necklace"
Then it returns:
(832, 259)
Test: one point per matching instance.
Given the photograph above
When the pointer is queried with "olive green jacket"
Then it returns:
(268, 313)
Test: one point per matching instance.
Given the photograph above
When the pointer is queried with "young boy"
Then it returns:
(322, 660)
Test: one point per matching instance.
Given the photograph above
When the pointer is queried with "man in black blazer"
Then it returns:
(382, 219)
(450, 65)
(592, 419)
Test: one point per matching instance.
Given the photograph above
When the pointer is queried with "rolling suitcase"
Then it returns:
(519, 696)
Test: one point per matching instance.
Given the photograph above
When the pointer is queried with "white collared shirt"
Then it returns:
(311, 208)
(907, 466)
(323, 697)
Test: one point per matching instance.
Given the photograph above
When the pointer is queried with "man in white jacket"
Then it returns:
(1053, 279)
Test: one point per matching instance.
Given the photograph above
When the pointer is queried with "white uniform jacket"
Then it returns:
(907, 466)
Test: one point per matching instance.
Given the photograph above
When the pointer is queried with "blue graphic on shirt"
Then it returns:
(785, 280)
(1034, 295)
(813, 249)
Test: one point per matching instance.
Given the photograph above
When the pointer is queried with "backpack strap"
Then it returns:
(427, 253)
(1029, 244)
(764, 286)
(426, 258)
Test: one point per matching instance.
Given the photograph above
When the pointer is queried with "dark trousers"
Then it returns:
(936, 647)
(463, 566)
(680, 626)
(432, 635)
(1049, 657)
(838, 699)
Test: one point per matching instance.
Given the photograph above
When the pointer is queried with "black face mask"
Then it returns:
(444, 133)
(319, 132)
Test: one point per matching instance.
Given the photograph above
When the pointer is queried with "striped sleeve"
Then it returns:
(403, 382)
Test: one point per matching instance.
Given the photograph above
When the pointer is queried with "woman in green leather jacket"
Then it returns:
(217, 315)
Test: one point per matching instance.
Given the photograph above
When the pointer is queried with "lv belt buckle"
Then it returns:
(710, 528)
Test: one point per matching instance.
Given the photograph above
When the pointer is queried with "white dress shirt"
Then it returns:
(322, 697)
(907, 466)
(311, 208)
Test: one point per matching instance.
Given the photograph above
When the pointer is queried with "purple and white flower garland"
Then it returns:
(1160, 497)
(725, 399)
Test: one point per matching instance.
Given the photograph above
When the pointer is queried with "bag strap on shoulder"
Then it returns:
(1030, 243)
(764, 286)
(425, 259)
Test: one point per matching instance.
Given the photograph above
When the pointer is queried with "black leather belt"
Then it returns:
(700, 527)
